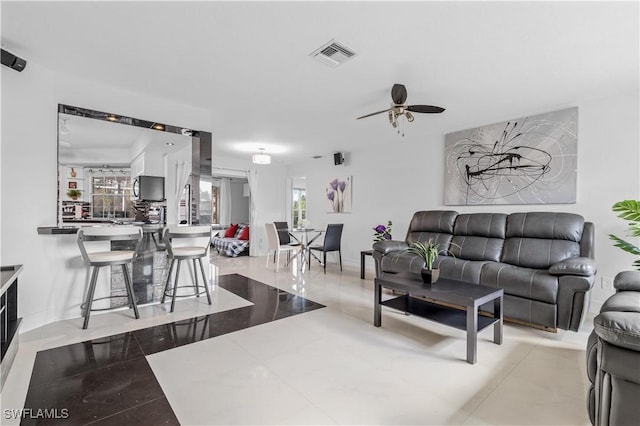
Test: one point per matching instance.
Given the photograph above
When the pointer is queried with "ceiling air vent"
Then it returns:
(333, 53)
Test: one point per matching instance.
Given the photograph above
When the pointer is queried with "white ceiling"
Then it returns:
(248, 62)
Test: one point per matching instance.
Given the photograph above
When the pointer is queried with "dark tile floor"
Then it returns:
(108, 381)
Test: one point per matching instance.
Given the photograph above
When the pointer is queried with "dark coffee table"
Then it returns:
(465, 316)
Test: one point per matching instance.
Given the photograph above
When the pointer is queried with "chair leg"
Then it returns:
(195, 278)
(175, 287)
(132, 296)
(166, 286)
(277, 253)
(267, 264)
(340, 256)
(324, 261)
(204, 279)
(89, 301)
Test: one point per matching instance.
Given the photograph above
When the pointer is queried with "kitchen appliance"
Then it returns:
(148, 188)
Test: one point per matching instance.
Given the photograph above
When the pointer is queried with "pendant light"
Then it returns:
(261, 157)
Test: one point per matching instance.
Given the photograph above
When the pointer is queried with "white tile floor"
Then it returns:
(332, 366)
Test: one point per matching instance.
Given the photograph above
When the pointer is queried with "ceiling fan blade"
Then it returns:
(373, 113)
(398, 94)
(428, 109)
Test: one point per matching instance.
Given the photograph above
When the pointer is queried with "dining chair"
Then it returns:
(97, 259)
(332, 239)
(275, 245)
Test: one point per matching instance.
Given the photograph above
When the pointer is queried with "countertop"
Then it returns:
(67, 230)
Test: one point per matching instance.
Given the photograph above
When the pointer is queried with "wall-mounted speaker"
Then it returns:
(338, 158)
(12, 61)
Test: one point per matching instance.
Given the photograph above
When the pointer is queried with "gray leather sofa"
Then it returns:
(613, 356)
(542, 260)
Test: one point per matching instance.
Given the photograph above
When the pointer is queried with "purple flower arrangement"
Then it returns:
(382, 232)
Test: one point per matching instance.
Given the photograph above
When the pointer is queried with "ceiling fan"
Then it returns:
(398, 107)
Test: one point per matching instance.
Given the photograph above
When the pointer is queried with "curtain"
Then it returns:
(225, 202)
(252, 178)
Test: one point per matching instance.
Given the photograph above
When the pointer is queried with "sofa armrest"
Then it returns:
(581, 266)
(619, 328)
(627, 281)
(389, 246)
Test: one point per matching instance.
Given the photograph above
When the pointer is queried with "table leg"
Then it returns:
(377, 308)
(497, 327)
(362, 265)
(472, 334)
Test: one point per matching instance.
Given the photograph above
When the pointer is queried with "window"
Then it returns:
(111, 197)
(299, 206)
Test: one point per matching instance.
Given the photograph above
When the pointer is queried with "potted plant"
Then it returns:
(629, 210)
(74, 194)
(428, 252)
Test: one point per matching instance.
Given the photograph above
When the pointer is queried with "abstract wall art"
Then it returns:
(338, 192)
(530, 160)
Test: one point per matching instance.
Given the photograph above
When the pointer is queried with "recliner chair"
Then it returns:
(613, 356)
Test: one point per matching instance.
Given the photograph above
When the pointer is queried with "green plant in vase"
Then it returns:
(428, 252)
(629, 210)
(74, 194)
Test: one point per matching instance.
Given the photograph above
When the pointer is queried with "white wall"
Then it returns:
(404, 175)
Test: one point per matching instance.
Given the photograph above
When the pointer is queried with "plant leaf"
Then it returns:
(628, 210)
(624, 245)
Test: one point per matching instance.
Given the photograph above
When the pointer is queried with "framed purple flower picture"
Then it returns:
(338, 192)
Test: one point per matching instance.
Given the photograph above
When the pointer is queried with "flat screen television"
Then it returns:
(148, 188)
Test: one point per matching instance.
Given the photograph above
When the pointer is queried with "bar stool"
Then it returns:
(179, 253)
(98, 259)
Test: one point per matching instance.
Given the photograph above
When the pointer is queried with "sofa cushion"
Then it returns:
(619, 328)
(580, 266)
(460, 269)
(492, 225)
(402, 261)
(623, 301)
(240, 230)
(244, 234)
(231, 232)
(540, 239)
(547, 225)
(435, 225)
(478, 236)
(528, 283)
(627, 280)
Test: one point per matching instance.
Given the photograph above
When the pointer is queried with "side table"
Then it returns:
(362, 255)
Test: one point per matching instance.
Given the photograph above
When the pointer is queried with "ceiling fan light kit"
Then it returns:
(399, 108)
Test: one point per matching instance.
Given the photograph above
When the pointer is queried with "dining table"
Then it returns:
(307, 236)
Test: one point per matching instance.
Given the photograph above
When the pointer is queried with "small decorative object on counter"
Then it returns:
(74, 194)
(382, 232)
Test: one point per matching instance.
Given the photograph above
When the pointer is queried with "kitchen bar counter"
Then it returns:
(149, 271)
(61, 230)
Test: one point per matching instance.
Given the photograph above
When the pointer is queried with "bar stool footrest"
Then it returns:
(170, 294)
(84, 305)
